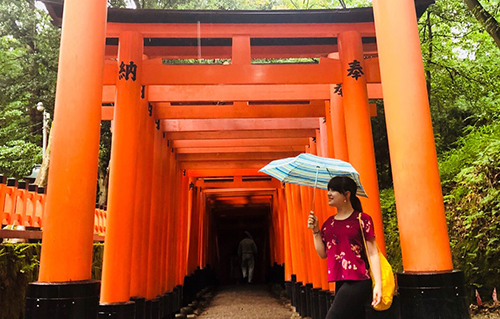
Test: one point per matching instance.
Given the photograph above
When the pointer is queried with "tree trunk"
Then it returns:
(102, 183)
(43, 173)
(487, 20)
(428, 75)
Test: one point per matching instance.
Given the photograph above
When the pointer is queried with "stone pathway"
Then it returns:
(246, 302)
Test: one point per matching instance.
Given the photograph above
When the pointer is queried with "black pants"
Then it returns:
(350, 300)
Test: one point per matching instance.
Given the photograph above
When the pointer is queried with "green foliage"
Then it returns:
(18, 152)
(470, 177)
(104, 147)
(461, 63)
(19, 265)
(199, 4)
(381, 146)
(241, 4)
(28, 59)
(324, 4)
(391, 230)
(17, 158)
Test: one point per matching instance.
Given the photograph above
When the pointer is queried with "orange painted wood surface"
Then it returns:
(240, 149)
(138, 280)
(240, 134)
(227, 30)
(231, 93)
(424, 245)
(117, 258)
(327, 71)
(74, 145)
(238, 124)
(234, 156)
(359, 137)
(224, 52)
(239, 142)
(166, 111)
(153, 280)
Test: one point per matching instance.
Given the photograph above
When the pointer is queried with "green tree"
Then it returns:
(485, 18)
(28, 54)
(460, 60)
(17, 154)
(471, 184)
(199, 4)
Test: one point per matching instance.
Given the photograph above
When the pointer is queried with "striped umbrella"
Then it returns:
(311, 170)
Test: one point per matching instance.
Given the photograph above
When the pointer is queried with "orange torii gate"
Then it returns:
(176, 126)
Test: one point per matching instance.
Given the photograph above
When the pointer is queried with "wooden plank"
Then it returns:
(227, 30)
(224, 52)
(31, 234)
(231, 93)
(240, 142)
(326, 72)
(223, 172)
(196, 135)
(107, 113)
(239, 110)
(232, 165)
(235, 192)
(242, 149)
(193, 157)
(258, 185)
(238, 124)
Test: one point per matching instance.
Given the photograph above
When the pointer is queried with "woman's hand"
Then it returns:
(377, 295)
(312, 222)
(319, 245)
(372, 252)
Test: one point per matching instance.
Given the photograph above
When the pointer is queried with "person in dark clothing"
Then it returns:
(247, 251)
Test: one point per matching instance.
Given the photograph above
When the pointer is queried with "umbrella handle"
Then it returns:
(314, 189)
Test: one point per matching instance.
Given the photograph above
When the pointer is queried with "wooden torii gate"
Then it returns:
(176, 125)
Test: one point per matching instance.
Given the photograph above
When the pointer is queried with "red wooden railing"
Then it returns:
(22, 204)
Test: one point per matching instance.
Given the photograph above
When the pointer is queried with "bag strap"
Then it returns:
(364, 240)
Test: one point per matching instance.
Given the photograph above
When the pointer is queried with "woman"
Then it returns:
(340, 240)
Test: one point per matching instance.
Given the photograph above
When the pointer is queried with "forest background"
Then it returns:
(460, 42)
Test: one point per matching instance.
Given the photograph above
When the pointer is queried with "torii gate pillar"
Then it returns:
(358, 130)
(65, 288)
(428, 287)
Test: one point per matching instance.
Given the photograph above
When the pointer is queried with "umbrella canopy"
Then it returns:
(311, 170)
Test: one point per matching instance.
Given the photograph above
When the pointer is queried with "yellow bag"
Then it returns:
(388, 284)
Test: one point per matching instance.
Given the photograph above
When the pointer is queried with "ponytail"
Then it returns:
(356, 203)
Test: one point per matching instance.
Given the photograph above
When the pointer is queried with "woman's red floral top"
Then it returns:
(345, 250)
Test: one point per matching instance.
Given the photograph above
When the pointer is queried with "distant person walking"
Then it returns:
(247, 251)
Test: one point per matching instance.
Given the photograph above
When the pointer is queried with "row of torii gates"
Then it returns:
(187, 138)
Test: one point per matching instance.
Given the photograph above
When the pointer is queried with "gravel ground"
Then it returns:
(246, 302)
(257, 302)
(492, 315)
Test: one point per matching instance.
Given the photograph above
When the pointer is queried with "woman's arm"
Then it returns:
(372, 253)
(319, 245)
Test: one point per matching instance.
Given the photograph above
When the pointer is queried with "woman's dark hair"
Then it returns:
(344, 184)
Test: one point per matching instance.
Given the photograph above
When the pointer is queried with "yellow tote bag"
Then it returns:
(388, 284)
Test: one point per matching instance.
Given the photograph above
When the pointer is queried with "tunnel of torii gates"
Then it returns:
(188, 141)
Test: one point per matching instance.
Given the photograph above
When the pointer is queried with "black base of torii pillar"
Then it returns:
(433, 295)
